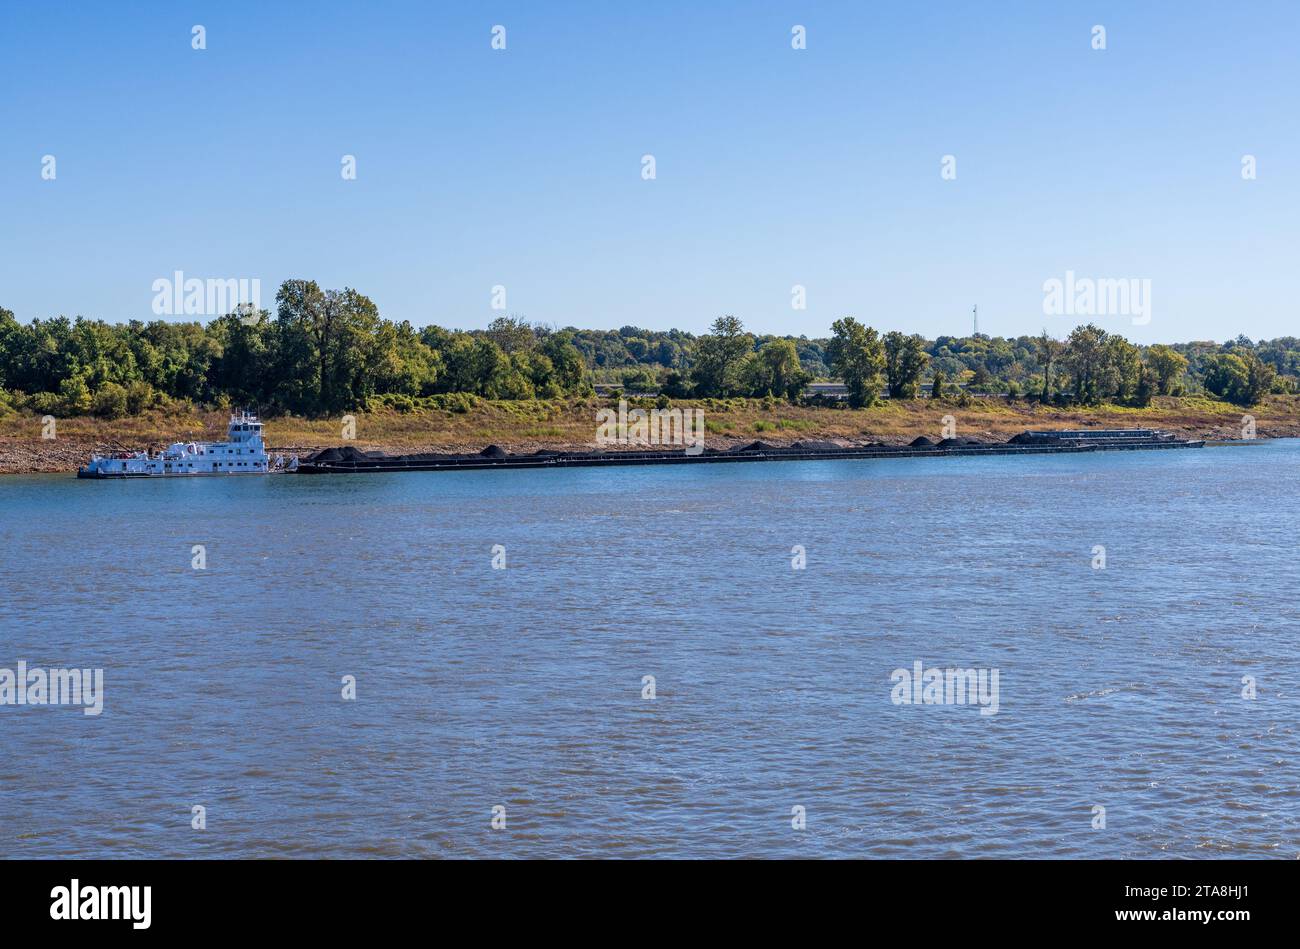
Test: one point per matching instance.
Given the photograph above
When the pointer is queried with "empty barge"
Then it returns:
(351, 460)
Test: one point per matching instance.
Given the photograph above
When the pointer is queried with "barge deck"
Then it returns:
(350, 460)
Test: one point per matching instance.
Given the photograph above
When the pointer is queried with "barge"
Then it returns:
(351, 460)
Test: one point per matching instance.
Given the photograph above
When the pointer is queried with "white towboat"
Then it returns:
(243, 452)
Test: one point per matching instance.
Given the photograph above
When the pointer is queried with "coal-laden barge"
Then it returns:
(351, 460)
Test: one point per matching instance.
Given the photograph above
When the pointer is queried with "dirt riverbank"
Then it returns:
(571, 426)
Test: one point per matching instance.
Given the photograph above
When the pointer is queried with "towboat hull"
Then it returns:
(243, 453)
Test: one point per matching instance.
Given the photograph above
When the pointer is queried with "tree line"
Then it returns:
(1088, 367)
(322, 352)
(327, 351)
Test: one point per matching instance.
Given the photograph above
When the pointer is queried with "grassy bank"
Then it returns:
(530, 425)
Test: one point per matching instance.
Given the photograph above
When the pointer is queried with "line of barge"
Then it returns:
(351, 460)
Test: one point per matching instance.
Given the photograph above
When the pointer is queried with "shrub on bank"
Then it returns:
(397, 402)
(74, 396)
(140, 396)
(110, 401)
(457, 402)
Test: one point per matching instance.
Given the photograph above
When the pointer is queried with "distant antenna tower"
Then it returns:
(975, 312)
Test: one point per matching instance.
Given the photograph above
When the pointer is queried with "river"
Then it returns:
(1130, 604)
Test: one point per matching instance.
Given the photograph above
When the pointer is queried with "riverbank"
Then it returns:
(523, 427)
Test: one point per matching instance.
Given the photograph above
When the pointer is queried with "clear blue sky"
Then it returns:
(775, 167)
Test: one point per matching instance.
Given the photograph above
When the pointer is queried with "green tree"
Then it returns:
(775, 369)
(1226, 376)
(937, 386)
(1146, 387)
(139, 396)
(1169, 366)
(329, 346)
(74, 395)
(1088, 361)
(306, 325)
(1124, 369)
(1259, 379)
(10, 340)
(567, 367)
(460, 369)
(243, 367)
(1048, 352)
(718, 356)
(491, 370)
(110, 401)
(512, 334)
(905, 360)
(857, 356)
(360, 346)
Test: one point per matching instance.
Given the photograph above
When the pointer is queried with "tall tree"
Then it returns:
(357, 349)
(775, 370)
(905, 359)
(937, 386)
(1259, 379)
(567, 368)
(858, 357)
(1048, 351)
(718, 356)
(1226, 376)
(306, 325)
(1124, 369)
(512, 333)
(1168, 365)
(1089, 363)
